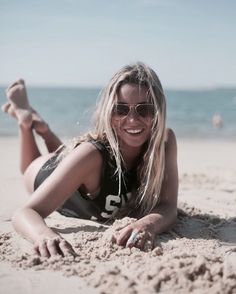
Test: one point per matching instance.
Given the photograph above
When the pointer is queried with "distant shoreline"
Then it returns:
(69, 111)
(100, 87)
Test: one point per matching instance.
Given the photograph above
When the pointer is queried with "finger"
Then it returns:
(133, 239)
(123, 236)
(66, 248)
(5, 106)
(36, 250)
(43, 251)
(53, 248)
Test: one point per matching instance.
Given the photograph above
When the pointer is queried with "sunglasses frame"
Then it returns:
(132, 107)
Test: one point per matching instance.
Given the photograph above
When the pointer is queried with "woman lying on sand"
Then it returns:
(126, 167)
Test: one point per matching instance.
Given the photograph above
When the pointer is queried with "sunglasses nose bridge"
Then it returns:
(132, 112)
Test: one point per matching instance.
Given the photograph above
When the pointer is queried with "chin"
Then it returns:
(135, 143)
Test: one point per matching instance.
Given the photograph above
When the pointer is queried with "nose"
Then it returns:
(132, 115)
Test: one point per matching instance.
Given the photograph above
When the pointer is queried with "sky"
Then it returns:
(189, 43)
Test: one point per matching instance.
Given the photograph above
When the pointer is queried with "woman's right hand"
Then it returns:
(48, 247)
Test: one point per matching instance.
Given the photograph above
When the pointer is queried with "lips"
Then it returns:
(134, 131)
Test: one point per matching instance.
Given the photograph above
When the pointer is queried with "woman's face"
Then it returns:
(132, 123)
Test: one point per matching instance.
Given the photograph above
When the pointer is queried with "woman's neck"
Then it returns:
(130, 156)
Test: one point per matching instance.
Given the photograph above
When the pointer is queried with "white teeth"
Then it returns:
(133, 131)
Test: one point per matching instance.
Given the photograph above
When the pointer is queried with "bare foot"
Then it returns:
(19, 108)
(19, 104)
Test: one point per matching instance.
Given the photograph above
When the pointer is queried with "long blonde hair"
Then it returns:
(151, 168)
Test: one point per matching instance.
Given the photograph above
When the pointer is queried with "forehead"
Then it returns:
(132, 94)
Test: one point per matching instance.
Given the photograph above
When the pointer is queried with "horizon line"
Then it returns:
(168, 88)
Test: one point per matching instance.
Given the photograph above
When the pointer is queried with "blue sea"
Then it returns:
(69, 111)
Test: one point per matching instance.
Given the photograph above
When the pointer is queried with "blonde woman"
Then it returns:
(126, 167)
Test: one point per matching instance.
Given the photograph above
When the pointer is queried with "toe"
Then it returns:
(5, 107)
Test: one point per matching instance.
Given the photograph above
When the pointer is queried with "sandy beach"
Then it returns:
(197, 256)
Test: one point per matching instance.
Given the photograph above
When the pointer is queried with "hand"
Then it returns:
(53, 246)
(139, 234)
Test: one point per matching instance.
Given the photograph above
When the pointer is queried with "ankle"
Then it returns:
(25, 126)
(25, 129)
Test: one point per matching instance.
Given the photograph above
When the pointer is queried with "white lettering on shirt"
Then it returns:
(113, 204)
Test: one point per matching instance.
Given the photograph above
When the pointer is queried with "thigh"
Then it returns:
(32, 171)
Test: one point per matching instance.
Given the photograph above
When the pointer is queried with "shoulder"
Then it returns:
(170, 136)
(85, 154)
(88, 150)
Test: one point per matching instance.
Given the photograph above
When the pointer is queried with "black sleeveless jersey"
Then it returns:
(107, 203)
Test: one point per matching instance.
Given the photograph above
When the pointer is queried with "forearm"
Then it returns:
(30, 225)
(161, 218)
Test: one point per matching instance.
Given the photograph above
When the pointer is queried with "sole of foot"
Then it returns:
(18, 107)
(19, 104)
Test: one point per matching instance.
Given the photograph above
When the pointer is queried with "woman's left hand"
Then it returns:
(138, 234)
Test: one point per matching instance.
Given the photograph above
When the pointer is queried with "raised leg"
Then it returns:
(28, 119)
(28, 148)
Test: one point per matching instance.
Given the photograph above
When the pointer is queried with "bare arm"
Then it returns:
(164, 215)
(28, 221)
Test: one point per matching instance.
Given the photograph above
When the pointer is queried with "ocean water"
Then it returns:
(69, 111)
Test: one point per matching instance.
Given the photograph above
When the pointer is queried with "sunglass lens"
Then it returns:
(145, 110)
(121, 110)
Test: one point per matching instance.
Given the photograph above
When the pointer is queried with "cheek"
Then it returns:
(115, 125)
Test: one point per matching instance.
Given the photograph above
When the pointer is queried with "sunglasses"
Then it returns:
(144, 110)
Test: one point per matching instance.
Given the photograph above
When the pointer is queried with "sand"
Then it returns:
(197, 256)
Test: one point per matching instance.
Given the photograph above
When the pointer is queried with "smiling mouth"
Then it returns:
(134, 132)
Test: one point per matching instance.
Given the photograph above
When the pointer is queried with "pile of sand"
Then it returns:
(195, 256)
